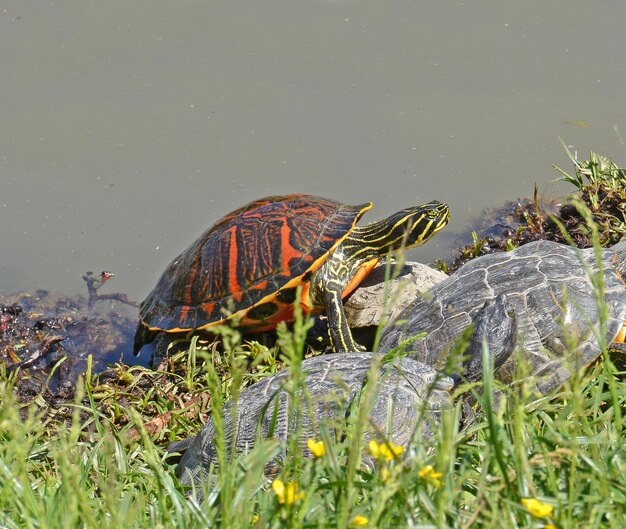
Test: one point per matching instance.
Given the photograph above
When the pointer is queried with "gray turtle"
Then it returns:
(407, 395)
(551, 287)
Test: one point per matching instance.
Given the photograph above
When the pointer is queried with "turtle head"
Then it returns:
(414, 226)
(404, 229)
(619, 258)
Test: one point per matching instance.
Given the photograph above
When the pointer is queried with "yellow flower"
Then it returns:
(385, 451)
(286, 493)
(429, 474)
(550, 526)
(537, 508)
(254, 519)
(359, 521)
(317, 448)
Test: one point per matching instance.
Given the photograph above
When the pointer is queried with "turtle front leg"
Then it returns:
(340, 334)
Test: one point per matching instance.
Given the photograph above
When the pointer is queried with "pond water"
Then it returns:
(127, 128)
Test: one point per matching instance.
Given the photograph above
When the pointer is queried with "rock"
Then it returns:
(375, 299)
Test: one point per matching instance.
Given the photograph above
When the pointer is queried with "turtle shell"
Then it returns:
(249, 264)
(551, 287)
(409, 397)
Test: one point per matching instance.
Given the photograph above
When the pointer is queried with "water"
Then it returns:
(127, 128)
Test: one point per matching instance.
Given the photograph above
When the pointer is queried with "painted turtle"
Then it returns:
(248, 265)
(551, 286)
(408, 395)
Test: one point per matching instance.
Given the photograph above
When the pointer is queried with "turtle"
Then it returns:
(408, 397)
(551, 286)
(251, 265)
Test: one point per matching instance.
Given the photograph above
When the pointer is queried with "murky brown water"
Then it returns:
(127, 128)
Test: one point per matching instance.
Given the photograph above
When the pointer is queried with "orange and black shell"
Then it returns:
(249, 264)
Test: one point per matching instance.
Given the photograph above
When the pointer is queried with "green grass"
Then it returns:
(567, 450)
(601, 184)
